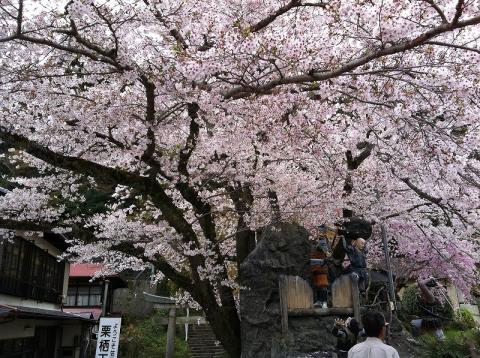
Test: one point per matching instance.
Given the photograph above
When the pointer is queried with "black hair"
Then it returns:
(354, 327)
(373, 323)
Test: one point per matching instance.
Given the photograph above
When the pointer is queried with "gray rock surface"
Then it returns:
(283, 250)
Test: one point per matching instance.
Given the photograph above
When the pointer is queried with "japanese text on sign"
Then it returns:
(108, 337)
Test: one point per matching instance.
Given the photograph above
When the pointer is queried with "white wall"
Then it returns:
(26, 302)
(70, 330)
(21, 328)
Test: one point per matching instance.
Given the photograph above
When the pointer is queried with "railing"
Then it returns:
(296, 299)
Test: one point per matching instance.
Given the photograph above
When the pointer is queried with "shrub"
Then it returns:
(464, 320)
(410, 301)
(411, 305)
(456, 345)
(146, 338)
(449, 348)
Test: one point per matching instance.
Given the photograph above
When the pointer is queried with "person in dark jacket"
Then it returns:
(347, 333)
(356, 252)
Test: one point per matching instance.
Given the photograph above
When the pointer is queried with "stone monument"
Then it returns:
(283, 249)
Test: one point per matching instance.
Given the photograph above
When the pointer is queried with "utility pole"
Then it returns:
(391, 285)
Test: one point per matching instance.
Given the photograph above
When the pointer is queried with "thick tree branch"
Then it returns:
(242, 91)
(458, 11)
(147, 156)
(173, 32)
(271, 18)
(422, 194)
(284, 9)
(160, 264)
(172, 214)
(70, 49)
(187, 150)
(354, 162)
(242, 198)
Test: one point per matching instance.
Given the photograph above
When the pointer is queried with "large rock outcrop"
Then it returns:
(284, 249)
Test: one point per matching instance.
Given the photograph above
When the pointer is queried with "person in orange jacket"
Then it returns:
(319, 271)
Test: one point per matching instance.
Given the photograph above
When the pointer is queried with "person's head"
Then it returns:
(374, 324)
(323, 246)
(352, 325)
(359, 243)
(431, 282)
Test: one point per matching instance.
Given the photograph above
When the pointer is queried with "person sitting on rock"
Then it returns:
(356, 253)
(347, 333)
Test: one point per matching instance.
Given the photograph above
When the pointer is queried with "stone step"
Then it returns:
(203, 343)
(200, 345)
(205, 350)
(203, 339)
(196, 343)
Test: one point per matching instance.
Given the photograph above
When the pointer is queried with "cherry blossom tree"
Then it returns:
(196, 123)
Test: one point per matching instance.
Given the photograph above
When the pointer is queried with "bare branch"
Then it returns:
(445, 44)
(438, 10)
(406, 211)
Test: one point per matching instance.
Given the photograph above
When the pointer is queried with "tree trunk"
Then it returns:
(226, 327)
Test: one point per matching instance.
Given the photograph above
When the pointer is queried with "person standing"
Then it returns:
(347, 333)
(432, 320)
(319, 272)
(373, 347)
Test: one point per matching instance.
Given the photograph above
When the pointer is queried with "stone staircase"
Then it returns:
(203, 343)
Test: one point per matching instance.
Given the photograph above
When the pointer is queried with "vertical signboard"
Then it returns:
(108, 337)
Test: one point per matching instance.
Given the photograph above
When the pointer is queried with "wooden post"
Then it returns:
(391, 284)
(170, 349)
(283, 293)
(186, 325)
(105, 298)
(356, 298)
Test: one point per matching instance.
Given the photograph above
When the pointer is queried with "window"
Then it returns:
(71, 297)
(84, 296)
(30, 272)
(17, 348)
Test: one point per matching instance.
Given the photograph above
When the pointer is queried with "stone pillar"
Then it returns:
(170, 350)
